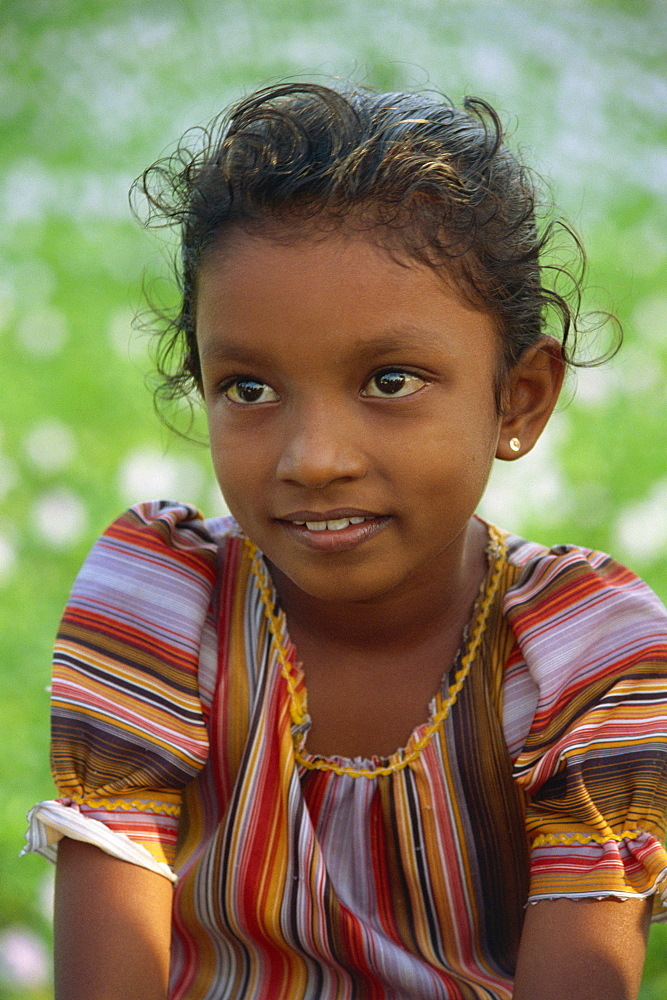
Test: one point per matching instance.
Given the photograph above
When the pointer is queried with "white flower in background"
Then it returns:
(596, 386)
(643, 370)
(127, 343)
(43, 332)
(8, 476)
(46, 894)
(216, 506)
(7, 303)
(60, 517)
(492, 67)
(50, 446)
(28, 188)
(147, 474)
(7, 558)
(24, 962)
(649, 318)
(641, 529)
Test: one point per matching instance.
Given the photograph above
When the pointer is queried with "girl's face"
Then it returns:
(351, 410)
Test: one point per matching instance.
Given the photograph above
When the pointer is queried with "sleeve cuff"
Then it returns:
(581, 866)
(51, 820)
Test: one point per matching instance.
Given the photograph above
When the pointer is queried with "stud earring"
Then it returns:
(515, 444)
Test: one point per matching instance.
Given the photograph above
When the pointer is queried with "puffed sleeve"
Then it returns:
(127, 727)
(593, 638)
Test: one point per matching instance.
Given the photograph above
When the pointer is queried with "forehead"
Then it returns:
(328, 293)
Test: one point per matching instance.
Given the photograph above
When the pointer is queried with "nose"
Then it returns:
(321, 445)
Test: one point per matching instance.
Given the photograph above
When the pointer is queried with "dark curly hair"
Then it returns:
(416, 174)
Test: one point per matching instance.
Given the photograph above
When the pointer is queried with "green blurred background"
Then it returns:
(91, 91)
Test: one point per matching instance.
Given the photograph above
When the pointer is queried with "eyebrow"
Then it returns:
(390, 342)
(403, 339)
(229, 351)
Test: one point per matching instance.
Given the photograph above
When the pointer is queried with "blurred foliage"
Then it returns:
(93, 92)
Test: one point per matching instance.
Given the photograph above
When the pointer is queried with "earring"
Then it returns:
(515, 444)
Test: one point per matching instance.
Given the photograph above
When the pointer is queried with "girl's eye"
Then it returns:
(393, 382)
(249, 390)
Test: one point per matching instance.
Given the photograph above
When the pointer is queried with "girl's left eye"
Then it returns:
(393, 382)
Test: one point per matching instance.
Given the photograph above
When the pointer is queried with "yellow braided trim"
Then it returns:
(128, 805)
(554, 839)
(297, 706)
(275, 622)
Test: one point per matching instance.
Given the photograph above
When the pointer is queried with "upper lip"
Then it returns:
(327, 515)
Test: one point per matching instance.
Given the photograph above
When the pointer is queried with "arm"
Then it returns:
(112, 927)
(582, 949)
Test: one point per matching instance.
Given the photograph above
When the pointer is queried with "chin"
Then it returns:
(343, 585)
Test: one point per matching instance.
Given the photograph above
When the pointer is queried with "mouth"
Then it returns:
(334, 530)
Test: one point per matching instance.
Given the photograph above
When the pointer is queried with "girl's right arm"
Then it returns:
(112, 927)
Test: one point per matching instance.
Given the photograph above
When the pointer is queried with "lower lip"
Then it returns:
(337, 541)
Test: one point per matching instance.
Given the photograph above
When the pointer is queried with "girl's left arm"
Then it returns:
(573, 949)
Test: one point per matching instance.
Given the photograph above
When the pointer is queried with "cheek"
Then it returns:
(226, 458)
(240, 465)
(465, 435)
(458, 455)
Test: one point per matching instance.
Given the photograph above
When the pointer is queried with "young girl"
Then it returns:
(371, 745)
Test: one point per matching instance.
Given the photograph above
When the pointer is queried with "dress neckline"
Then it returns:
(421, 736)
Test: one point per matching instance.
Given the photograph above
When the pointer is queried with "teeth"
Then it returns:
(336, 525)
(339, 524)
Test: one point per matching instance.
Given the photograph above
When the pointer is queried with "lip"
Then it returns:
(334, 541)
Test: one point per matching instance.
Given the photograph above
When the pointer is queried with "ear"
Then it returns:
(529, 396)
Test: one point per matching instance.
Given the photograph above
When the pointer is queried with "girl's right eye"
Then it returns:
(249, 390)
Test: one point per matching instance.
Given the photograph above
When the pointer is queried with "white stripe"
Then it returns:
(50, 821)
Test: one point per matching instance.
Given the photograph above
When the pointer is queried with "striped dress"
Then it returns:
(180, 725)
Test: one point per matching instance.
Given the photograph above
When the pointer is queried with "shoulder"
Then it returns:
(159, 538)
(568, 582)
(581, 618)
(152, 572)
(164, 526)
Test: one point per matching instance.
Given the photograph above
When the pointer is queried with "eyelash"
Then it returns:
(403, 373)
